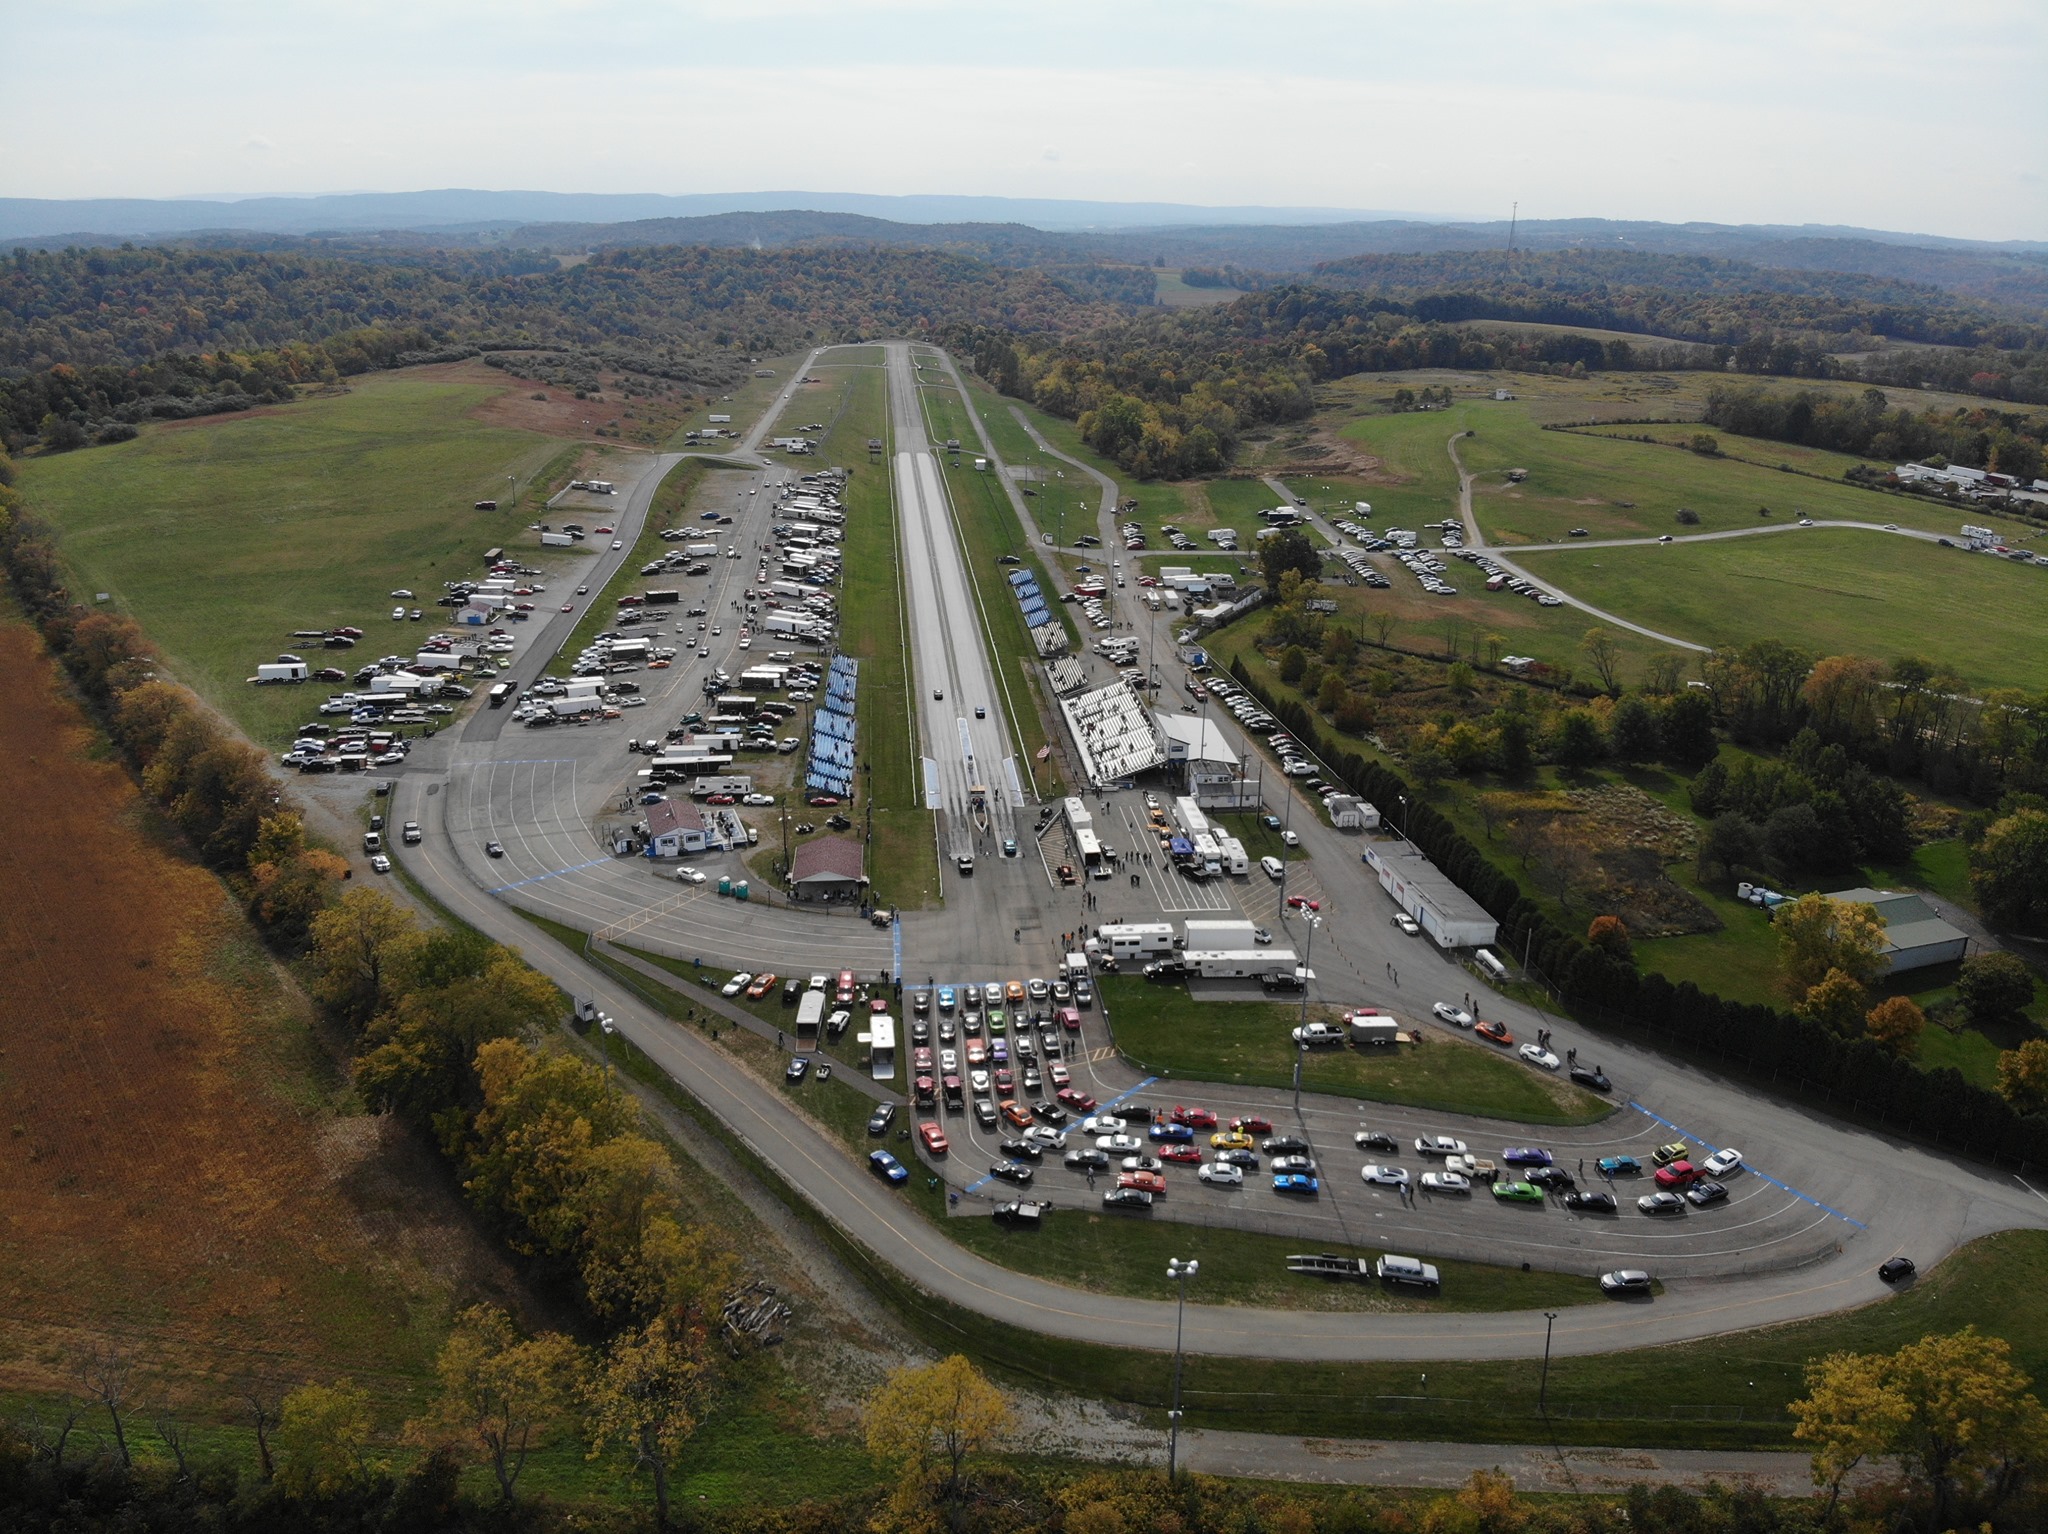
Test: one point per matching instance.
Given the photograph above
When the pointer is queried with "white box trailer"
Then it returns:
(796, 625)
(1208, 936)
(700, 550)
(1077, 813)
(281, 671)
(1240, 963)
(704, 787)
(396, 681)
(1134, 940)
(810, 1013)
(557, 541)
(1189, 814)
(584, 686)
(575, 708)
(1374, 1031)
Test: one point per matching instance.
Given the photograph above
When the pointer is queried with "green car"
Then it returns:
(997, 1023)
(1520, 1192)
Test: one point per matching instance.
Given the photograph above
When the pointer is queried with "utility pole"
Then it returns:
(1513, 218)
(1180, 1272)
(605, 1030)
(1543, 1389)
(1300, 1049)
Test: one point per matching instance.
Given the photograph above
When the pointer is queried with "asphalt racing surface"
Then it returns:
(1818, 1205)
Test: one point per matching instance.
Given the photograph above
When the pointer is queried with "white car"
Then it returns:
(1273, 866)
(1102, 1124)
(1445, 1182)
(618, 543)
(1457, 1017)
(380, 864)
(1119, 1145)
(1407, 924)
(1045, 1135)
(737, 984)
(1439, 1145)
(1292, 838)
(1385, 1176)
(1536, 1054)
(758, 799)
(402, 592)
(690, 875)
(1722, 1162)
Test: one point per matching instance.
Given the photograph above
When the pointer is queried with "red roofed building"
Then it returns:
(674, 828)
(829, 867)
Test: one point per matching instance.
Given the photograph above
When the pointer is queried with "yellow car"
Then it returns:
(1675, 1151)
(1014, 993)
(1231, 1139)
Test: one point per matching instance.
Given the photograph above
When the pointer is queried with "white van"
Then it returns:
(1392, 1269)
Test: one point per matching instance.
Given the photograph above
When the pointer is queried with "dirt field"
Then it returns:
(183, 1176)
(641, 422)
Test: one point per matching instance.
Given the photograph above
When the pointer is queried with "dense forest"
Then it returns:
(1869, 426)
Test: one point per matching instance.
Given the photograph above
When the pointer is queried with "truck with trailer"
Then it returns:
(1373, 1029)
(1134, 940)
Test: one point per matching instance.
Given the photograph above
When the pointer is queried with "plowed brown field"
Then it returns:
(179, 1171)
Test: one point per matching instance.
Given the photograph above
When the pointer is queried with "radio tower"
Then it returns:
(1513, 218)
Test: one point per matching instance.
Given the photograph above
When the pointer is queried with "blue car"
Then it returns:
(1525, 1155)
(1295, 1182)
(945, 998)
(887, 1167)
(1175, 1134)
(1620, 1166)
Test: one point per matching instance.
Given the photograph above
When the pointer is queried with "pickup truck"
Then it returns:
(1478, 1168)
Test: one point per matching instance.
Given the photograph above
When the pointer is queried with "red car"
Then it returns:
(877, 1005)
(927, 1091)
(1076, 1099)
(1252, 1124)
(568, 607)
(816, 800)
(1679, 1174)
(1498, 1032)
(935, 1141)
(604, 529)
(1153, 1183)
(1194, 1118)
(1303, 903)
(722, 799)
(1188, 1155)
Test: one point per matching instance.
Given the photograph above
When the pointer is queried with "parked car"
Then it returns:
(1127, 1198)
(1591, 1203)
(1661, 1203)
(1222, 1174)
(1592, 1076)
(1896, 1270)
(887, 1167)
(1518, 1192)
(1722, 1162)
(1624, 1282)
(1621, 1166)
(1457, 1017)
(1677, 1150)
(1446, 1182)
(1540, 1057)
(1384, 1176)
(1299, 1183)
(1495, 1032)
(1705, 1192)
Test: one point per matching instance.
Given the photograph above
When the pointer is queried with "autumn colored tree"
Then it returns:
(1609, 934)
(501, 1395)
(2023, 1076)
(1897, 1024)
(643, 1403)
(928, 1421)
(1818, 933)
(322, 1439)
(359, 943)
(1605, 658)
(1837, 1001)
(1954, 1411)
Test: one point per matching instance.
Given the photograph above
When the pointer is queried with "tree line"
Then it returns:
(1867, 425)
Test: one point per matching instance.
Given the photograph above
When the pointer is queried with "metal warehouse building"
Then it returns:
(1915, 936)
(1452, 918)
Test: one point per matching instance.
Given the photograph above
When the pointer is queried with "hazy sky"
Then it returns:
(1883, 113)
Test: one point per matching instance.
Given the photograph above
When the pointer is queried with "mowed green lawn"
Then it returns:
(1161, 1029)
(221, 538)
(1830, 591)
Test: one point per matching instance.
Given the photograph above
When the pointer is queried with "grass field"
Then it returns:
(190, 1176)
(1173, 293)
(222, 536)
(1160, 1028)
(1830, 591)
(902, 862)
(746, 402)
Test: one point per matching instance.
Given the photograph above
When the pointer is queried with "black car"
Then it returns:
(797, 1068)
(1021, 1150)
(1591, 1203)
(1286, 1145)
(1018, 1212)
(880, 1120)
(1049, 1112)
(1249, 1160)
(1373, 1140)
(1705, 1193)
(1088, 1160)
(493, 850)
(1011, 1171)
(1896, 1270)
(1127, 1198)
(791, 990)
(1554, 1178)
(1592, 1076)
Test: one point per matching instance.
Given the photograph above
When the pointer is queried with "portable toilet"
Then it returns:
(725, 884)
(739, 890)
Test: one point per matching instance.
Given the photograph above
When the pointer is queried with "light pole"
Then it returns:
(1286, 825)
(604, 1025)
(1402, 829)
(1543, 1388)
(1308, 952)
(1180, 1272)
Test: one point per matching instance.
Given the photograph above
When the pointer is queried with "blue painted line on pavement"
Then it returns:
(896, 937)
(1805, 1198)
(539, 878)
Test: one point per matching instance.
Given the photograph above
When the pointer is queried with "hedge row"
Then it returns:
(1757, 1042)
